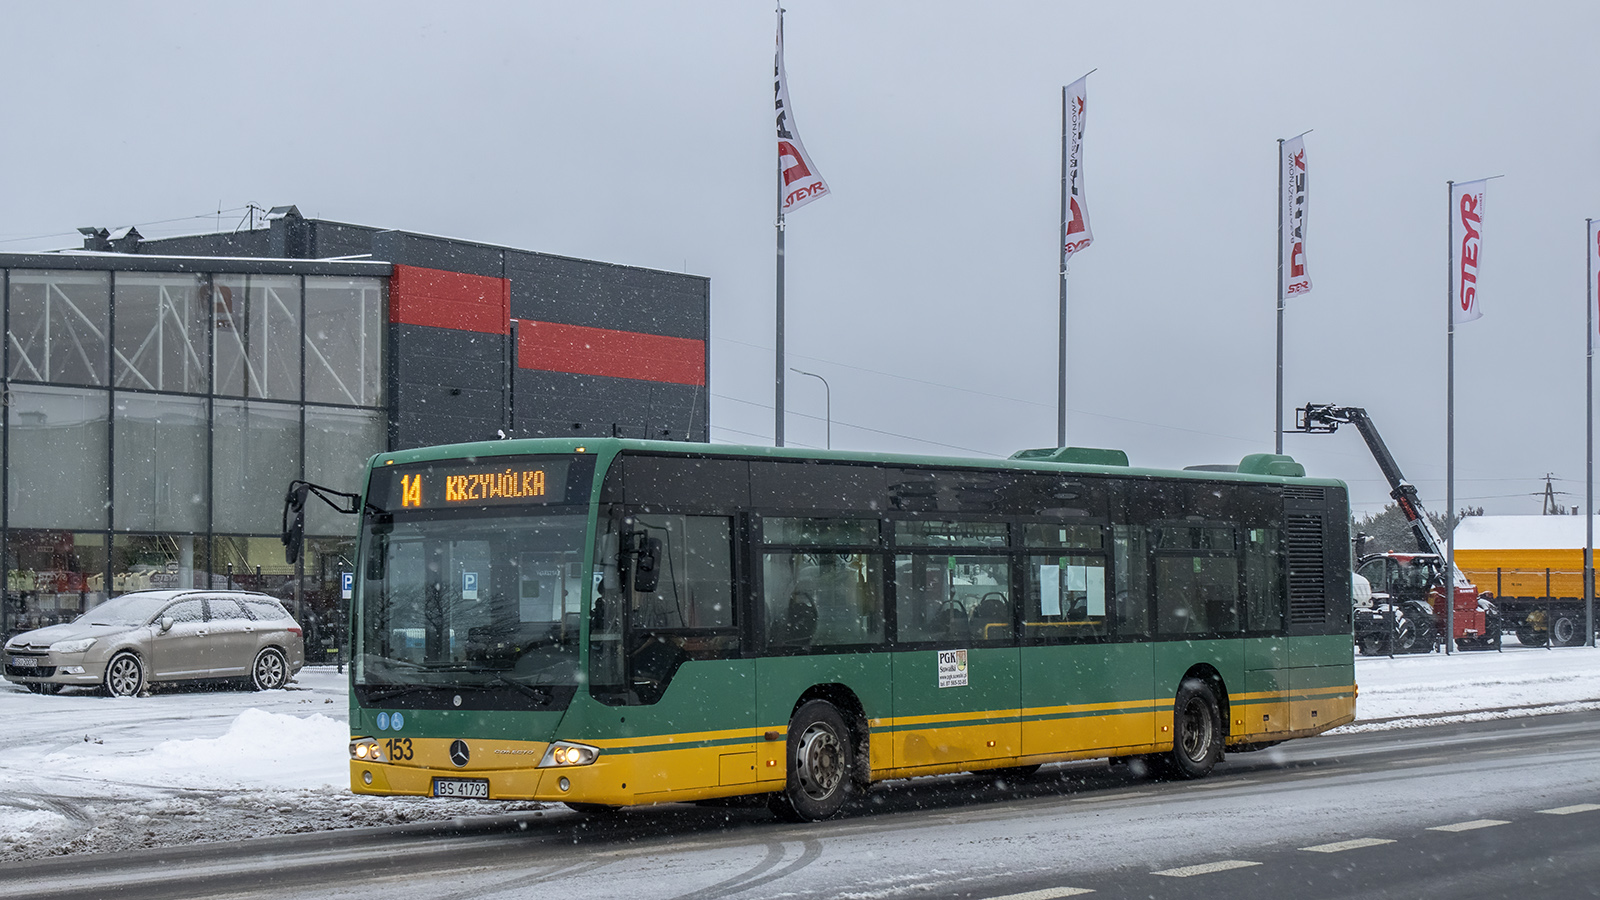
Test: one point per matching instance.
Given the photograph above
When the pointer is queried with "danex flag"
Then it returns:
(1466, 221)
(801, 181)
(1292, 218)
(1594, 279)
(1079, 236)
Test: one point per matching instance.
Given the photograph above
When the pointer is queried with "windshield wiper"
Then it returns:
(392, 693)
(541, 695)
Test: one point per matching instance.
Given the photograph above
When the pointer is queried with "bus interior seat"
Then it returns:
(800, 620)
(988, 617)
(948, 622)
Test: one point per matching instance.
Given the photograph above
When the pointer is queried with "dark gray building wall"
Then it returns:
(560, 404)
(445, 386)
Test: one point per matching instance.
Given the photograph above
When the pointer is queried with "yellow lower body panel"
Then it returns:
(710, 765)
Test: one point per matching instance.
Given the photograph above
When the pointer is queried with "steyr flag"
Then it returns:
(1079, 236)
(1292, 218)
(801, 181)
(1466, 223)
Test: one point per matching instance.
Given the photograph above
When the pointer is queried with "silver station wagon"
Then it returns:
(129, 642)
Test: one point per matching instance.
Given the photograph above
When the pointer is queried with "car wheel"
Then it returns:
(270, 671)
(821, 762)
(124, 676)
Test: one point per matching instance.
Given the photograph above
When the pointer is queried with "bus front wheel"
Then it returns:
(1196, 731)
(821, 758)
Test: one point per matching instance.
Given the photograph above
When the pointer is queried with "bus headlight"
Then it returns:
(365, 749)
(566, 753)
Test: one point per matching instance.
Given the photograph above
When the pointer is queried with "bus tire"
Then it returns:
(1196, 731)
(821, 760)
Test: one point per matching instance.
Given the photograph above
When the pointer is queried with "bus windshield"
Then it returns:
(458, 601)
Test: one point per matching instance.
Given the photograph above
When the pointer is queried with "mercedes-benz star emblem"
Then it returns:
(459, 753)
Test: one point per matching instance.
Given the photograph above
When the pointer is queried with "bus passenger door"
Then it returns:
(1082, 691)
(692, 710)
(957, 690)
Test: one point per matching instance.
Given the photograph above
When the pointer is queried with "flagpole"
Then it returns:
(777, 389)
(1061, 376)
(1588, 436)
(1450, 426)
(1278, 428)
(777, 403)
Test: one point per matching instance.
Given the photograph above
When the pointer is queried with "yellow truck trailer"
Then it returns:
(1533, 565)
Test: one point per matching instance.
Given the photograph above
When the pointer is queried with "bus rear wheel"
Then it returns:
(1196, 731)
(821, 759)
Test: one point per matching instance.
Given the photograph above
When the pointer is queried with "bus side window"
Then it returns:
(1197, 579)
(1131, 567)
(822, 599)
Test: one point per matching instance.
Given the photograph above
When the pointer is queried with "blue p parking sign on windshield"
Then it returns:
(469, 585)
(347, 584)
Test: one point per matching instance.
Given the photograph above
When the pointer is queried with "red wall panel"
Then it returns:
(580, 350)
(440, 299)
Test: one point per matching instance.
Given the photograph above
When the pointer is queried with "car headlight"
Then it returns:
(566, 753)
(72, 646)
(365, 749)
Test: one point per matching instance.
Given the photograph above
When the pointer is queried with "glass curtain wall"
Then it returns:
(153, 421)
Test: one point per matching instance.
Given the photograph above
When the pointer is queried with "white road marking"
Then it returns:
(1353, 844)
(1046, 894)
(1470, 826)
(1207, 868)
(1569, 810)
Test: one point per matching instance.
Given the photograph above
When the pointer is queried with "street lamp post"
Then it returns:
(828, 401)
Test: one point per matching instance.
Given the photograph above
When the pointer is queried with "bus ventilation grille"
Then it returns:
(1304, 533)
(1305, 493)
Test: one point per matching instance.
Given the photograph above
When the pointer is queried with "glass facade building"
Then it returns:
(153, 420)
(160, 394)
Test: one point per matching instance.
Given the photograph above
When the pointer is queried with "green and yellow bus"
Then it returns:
(615, 622)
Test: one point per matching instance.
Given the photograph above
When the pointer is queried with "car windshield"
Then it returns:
(129, 609)
(480, 600)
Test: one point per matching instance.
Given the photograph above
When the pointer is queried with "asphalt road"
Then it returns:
(1491, 809)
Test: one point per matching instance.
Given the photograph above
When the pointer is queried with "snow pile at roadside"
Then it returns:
(259, 749)
(1412, 690)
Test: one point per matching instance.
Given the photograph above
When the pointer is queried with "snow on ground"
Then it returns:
(84, 773)
(1465, 687)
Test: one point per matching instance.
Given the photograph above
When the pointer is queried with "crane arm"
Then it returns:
(1324, 418)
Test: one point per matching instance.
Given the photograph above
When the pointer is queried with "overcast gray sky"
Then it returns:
(924, 286)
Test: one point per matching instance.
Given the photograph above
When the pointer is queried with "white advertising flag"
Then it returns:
(1292, 219)
(1466, 219)
(1079, 236)
(1594, 279)
(801, 181)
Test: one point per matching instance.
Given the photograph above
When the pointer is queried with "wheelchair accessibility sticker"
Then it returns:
(952, 668)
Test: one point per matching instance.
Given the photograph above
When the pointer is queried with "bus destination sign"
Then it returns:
(522, 482)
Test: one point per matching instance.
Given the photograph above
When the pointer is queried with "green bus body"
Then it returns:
(959, 615)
